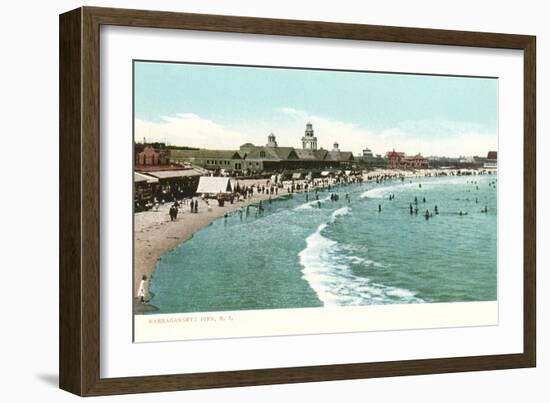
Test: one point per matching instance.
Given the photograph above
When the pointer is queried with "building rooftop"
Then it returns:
(271, 153)
(139, 177)
(195, 171)
(339, 156)
(204, 153)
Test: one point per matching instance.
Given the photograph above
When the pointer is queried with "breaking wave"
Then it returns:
(326, 268)
(311, 204)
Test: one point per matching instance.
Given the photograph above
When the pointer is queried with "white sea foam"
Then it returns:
(401, 293)
(310, 204)
(356, 259)
(340, 212)
(326, 269)
(382, 192)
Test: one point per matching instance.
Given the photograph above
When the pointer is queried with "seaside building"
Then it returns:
(309, 141)
(398, 160)
(367, 159)
(229, 160)
(367, 153)
(148, 154)
(491, 160)
(253, 159)
(165, 183)
(339, 156)
(144, 189)
(415, 162)
(271, 141)
(156, 176)
(394, 159)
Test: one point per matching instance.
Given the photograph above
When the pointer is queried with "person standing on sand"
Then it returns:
(173, 213)
(141, 290)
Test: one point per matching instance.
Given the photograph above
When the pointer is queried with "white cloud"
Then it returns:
(189, 129)
(438, 127)
(288, 124)
(456, 139)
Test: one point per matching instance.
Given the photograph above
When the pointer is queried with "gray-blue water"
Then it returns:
(297, 254)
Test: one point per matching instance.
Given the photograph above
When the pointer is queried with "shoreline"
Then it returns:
(155, 234)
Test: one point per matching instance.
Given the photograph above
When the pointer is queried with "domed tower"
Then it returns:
(309, 141)
(271, 141)
(336, 147)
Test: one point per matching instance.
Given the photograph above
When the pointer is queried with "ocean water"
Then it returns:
(297, 254)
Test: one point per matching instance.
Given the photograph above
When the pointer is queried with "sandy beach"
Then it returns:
(155, 234)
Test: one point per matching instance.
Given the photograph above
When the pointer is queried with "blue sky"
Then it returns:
(224, 106)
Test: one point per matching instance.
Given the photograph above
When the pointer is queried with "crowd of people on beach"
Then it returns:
(251, 192)
(248, 193)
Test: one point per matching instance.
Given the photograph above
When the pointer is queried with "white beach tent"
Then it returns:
(139, 177)
(214, 185)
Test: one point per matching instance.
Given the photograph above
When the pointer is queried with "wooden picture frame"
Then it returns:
(79, 347)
